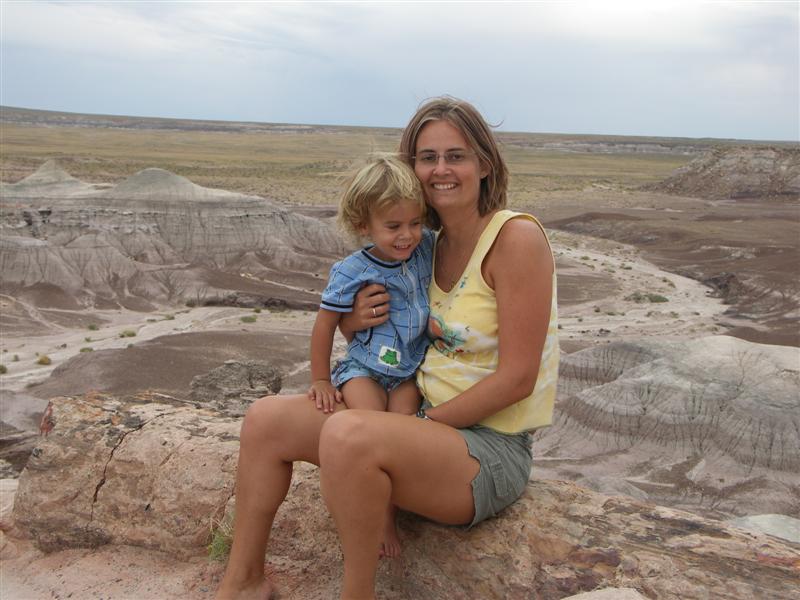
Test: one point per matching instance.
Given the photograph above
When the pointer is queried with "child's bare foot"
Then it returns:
(390, 548)
(258, 590)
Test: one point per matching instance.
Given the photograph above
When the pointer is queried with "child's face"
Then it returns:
(395, 231)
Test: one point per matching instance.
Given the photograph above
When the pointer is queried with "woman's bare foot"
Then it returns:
(258, 590)
(390, 548)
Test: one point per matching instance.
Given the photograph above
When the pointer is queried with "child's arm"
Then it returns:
(321, 390)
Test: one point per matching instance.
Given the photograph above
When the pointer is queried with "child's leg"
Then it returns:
(405, 398)
(364, 393)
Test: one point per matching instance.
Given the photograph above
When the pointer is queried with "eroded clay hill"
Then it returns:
(709, 425)
(154, 238)
(738, 172)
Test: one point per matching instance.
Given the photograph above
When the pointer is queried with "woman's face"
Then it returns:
(448, 185)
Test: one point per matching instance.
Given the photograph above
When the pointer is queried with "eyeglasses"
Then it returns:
(451, 157)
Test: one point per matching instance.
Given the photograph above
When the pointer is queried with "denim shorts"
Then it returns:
(349, 368)
(505, 468)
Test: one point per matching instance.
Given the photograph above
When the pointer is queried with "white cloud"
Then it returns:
(545, 65)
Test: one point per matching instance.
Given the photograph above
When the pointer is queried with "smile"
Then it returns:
(444, 186)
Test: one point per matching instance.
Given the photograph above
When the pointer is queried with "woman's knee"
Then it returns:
(347, 436)
(262, 418)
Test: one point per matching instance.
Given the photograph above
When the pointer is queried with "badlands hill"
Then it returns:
(738, 172)
(155, 238)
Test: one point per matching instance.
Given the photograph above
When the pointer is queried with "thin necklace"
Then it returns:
(462, 255)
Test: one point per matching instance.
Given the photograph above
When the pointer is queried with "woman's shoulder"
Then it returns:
(521, 232)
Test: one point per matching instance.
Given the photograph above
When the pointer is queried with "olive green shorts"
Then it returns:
(505, 467)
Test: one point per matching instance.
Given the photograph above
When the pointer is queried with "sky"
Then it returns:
(678, 69)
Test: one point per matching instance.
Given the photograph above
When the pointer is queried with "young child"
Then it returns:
(384, 203)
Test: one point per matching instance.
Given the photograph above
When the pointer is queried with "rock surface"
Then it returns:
(710, 425)
(738, 172)
(232, 387)
(156, 238)
(152, 474)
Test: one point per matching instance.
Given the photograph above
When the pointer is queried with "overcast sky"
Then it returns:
(693, 69)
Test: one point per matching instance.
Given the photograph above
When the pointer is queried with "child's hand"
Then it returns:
(324, 395)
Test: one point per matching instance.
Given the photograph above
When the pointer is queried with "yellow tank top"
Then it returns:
(464, 348)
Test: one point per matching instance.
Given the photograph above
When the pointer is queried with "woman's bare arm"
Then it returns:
(371, 308)
(520, 269)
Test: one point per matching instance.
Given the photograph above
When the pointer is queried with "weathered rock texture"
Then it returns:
(149, 474)
(156, 238)
(711, 424)
(738, 172)
(232, 387)
(153, 474)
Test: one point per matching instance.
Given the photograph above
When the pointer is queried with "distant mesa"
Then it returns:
(738, 172)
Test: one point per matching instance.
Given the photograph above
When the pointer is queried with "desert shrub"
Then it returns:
(169, 317)
(44, 360)
(191, 303)
(249, 319)
(87, 349)
(87, 339)
(640, 297)
(3, 370)
(256, 310)
(15, 358)
(93, 327)
(221, 538)
(127, 333)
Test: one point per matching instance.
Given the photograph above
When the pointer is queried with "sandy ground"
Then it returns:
(610, 271)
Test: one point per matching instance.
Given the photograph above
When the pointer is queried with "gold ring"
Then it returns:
(374, 314)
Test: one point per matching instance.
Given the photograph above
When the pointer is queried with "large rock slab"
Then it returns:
(153, 474)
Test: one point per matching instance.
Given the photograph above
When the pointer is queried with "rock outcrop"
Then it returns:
(710, 425)
(738, 172)
(152, 472)
(157, 238)
(232, 387)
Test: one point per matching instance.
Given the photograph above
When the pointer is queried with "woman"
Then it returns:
(488, 378)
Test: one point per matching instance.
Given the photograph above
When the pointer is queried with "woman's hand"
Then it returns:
(371, 308)
(324, 395)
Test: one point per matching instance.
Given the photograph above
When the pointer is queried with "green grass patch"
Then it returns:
(219, 547)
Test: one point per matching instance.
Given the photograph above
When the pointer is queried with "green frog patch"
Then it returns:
(389, 356)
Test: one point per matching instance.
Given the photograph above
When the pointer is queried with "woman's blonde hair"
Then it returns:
(466, 118)
(382, 181)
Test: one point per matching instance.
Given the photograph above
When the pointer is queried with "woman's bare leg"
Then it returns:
(276, 431)
(372, 458)
(404, 400)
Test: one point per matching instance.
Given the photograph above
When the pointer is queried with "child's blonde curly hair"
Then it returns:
(382, 181)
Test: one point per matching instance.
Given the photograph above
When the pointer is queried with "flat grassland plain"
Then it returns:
(303, 164)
